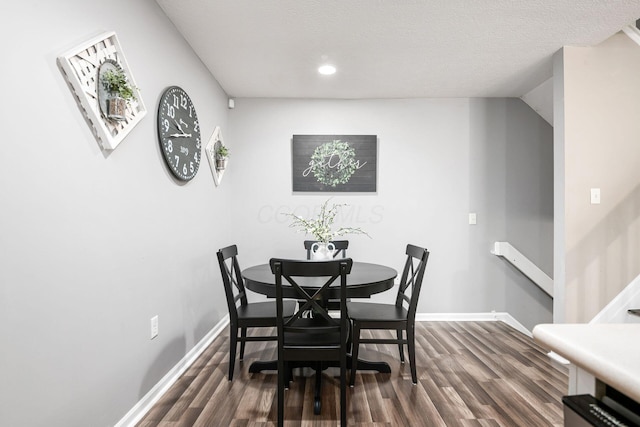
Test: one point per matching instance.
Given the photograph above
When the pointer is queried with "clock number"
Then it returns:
(170, 146)
(183, 101)
(196, 126)
(165, 125)
(171, 112)
(175, 101)
(195, 157)
(191, 168)
(177, 160)
(184, 169)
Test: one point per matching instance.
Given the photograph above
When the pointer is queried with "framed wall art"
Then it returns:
(334, 163)
(87, 68)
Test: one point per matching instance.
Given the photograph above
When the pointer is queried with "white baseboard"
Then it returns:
(144, 405)
(474, 317)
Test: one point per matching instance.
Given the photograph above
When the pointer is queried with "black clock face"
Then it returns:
(179, 133)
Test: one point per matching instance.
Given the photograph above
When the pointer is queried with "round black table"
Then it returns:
(364, 280)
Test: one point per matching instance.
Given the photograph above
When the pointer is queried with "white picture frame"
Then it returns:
(80, 67)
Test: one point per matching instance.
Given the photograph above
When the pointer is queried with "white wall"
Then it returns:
(93, 244)
(601, 95)
(438, 160)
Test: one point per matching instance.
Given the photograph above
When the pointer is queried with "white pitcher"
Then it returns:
(322, 251)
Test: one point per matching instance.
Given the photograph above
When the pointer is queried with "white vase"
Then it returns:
(322, 251)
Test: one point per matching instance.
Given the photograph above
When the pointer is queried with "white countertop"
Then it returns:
(609, 352)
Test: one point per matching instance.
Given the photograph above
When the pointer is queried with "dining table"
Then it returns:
(365, 280)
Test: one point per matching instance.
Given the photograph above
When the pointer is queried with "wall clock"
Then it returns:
(81, 67)
(179, 133)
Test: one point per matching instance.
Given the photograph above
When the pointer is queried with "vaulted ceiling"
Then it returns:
(390, 48)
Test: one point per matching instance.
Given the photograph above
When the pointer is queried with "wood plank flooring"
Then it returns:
(470, 374)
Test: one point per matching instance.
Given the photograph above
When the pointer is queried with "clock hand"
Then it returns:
(178, 125)
(181, 135)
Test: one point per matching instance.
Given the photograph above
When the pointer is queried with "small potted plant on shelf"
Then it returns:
(120, 93)
(222, 154)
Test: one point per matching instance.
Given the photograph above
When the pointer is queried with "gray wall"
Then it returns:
(438, 160)
(94, 245)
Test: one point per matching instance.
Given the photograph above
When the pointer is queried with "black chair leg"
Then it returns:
(288, 370)
(243, 335)
(355, 346)
(343, 391)
(281, 375)
(317, 398)
(400, 345)
(411, 345)
(233, 343)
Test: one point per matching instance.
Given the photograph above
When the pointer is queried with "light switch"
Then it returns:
(595, 196)
(154, 327)
(472, 219)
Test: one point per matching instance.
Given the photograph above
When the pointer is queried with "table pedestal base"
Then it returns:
(363, 365)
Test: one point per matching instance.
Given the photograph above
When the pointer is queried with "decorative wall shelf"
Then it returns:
(81, 67)
(214, 143)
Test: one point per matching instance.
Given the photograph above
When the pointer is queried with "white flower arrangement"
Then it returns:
(320, 227)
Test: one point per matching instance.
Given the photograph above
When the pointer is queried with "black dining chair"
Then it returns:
(242, 314)
(318, 339)
(400, 316)
(340, 246)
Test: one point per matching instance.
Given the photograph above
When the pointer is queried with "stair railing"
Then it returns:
(524, 264)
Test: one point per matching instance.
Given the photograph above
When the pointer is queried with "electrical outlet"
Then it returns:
(154, 327)
(473, 219)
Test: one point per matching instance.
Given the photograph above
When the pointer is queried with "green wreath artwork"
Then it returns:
(333, 163)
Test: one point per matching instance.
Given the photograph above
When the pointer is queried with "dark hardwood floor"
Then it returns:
(469, 374)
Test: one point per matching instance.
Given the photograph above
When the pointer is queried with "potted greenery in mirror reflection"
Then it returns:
(120, 93)
(222, 154)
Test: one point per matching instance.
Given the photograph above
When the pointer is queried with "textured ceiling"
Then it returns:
(390, 48)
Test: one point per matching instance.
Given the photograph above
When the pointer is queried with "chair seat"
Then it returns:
(310, 342)
(373, 312)
(312, 336)
(265, 310)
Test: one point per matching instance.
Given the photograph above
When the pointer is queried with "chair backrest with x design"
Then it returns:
(340, 248)
(411, 280)
(232, 280)
(291, 273)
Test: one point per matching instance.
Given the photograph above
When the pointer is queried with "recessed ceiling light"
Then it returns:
(327, 70)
